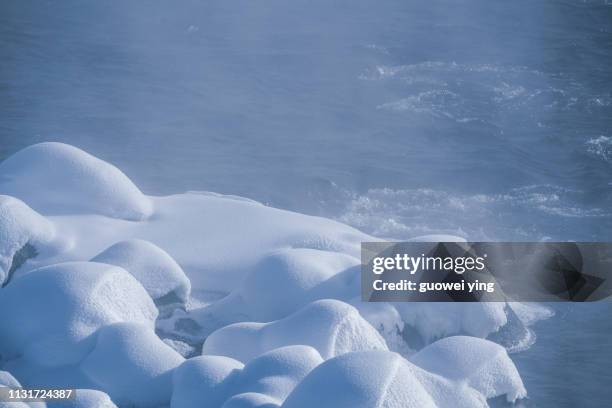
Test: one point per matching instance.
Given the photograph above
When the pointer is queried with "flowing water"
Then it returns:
(486, 119)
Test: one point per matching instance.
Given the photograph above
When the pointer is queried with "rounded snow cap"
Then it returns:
(56, 178)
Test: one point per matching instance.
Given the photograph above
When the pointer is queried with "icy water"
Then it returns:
(486, 119)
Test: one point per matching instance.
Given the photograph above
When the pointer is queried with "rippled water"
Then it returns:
(490, 120)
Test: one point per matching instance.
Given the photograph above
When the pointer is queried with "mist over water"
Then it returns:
(486, 119)
(352, 110)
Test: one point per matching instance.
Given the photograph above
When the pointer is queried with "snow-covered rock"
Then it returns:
(132, 365)
(304, 274)
(277, 372)
(385, 318)
(158, 273)
(217, 381)
(379, 379)
(482, 364)
(56, 178)
(330, 326)
(49, 315)
(20, 225)
(436, 320)
(205, 381)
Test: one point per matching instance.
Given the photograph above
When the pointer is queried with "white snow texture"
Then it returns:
(88, 264)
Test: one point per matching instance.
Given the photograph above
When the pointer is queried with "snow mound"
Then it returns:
(330, 326)
(379, 379)
(385, 318)
(48, 315)
(304, 274)
(205, 381)
(55, 178)
(132, 365)
(20, 225)
(250, 400)
(436, 320)
(222, 381)
(158, 273)
(87, 399)
(482, 364)
(276, 373)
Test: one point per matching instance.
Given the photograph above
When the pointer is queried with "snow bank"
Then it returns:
(330, 326)
(158, 273)
(20, 225)
(222, 381)
(378, 379)
(55, 178)
(482, 364)
(49, 315)
(132, 365)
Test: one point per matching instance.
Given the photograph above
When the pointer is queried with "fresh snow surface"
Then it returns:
(270, 298)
